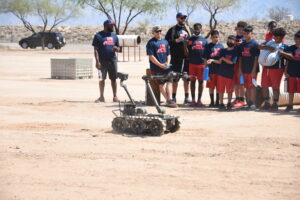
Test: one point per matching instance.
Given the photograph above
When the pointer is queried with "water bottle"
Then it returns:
(206, 73)
(242, 81)
(254, 82)
(286, 85)
(168, 65)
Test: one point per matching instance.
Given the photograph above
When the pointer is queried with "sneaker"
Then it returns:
(274, 107)
(187, 101)
(266, 106)
(193, 104)
(211, 105)
(289, 108)
(238, 104)
(199, 104)
(115, 99)
(171, 104)
(252, 107)
(100, 99)
(229, 106)
(222, 106)
(174, 99)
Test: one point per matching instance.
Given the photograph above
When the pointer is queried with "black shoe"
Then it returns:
(211, 105)
(266, 106)
(217, 105)
(289, 108)
(171, 104)
(174, 99)
(229, 106)
(274, 107)
(222, 106)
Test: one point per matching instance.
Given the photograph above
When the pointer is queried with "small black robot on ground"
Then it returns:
(136, 120)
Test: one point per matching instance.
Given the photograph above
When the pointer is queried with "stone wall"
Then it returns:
(84, 34)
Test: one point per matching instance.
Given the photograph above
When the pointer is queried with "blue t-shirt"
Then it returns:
(294, 65)
(105, 43)
(248, 51)
(197, 45)
(213, 51)
(226, 70)
(160, 49)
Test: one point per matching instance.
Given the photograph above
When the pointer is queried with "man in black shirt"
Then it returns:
(177, 36)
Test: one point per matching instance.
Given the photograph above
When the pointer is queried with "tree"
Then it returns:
(124, 11)
(278, 13)
(50, 12)
(188, 7)
(214, 7)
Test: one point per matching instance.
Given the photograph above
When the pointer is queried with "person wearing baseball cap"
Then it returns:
(158, 51)
(177, 37)
(106, 44)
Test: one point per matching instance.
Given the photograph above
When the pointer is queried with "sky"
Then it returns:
(248, 9)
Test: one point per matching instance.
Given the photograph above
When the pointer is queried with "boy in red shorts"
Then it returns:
(212, 51)
(271, 75)
(197, 45)
(239, 88)
(248, 65)
(292, 70)
(226, 71)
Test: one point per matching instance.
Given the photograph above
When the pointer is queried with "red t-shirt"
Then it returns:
(269, 36)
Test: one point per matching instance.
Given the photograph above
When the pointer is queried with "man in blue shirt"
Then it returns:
(105, 44)
(158, 51)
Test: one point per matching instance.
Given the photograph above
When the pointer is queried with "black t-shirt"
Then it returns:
(294, 65)
(227, 70)
(213, 51)
(197, 45)
(177, 48)
(248, 51)
(160, 50)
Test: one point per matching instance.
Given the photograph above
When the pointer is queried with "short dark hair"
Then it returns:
(231, 37)
(272, 23)
(279, 32)
(241, 24)
(197, 24)
(248, 29)
(297, 35)
(214, 32)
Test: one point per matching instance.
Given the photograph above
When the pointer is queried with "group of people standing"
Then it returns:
(231, 69)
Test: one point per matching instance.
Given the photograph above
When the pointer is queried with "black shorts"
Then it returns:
(110, 67)
(161, 82)
(179, 65)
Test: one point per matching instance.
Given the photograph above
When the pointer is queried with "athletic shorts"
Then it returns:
(236, 77)
(212, 82)
(179, 65)
(294, 85)
(271, 78)
(110, 68)
(248, 81)
(196, 71)
(224, 83)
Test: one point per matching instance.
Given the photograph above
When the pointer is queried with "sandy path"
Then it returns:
(57, 144)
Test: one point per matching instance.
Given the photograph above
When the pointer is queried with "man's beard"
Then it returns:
(181, 23)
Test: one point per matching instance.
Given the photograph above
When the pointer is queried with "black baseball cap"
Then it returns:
(180, 15)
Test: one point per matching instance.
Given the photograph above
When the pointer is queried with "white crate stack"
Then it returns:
(71, 68)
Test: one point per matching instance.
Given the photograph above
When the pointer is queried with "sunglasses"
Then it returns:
(157, 31)
(183, 18)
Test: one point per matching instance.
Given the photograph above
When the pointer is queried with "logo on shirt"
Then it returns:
(162, 49)
(109, 41)
(184, 34)
(246, 51)
(198, 45)
(228, 57)
(297, 55)
(215, 53)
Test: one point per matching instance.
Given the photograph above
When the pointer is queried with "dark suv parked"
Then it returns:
(52, 40)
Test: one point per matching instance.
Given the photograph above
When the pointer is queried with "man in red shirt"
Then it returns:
(271, 26)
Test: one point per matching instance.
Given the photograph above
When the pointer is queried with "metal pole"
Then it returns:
(123, 52)
(128, 53)
(158, 108)
(139, 53)
(134, 51)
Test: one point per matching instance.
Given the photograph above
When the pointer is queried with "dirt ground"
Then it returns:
(56, 143)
